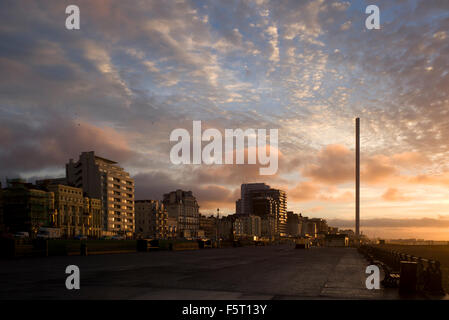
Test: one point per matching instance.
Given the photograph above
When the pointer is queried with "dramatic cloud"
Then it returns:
(135, 71)
(335, 165)
(210, 197)
(29, 146)
(378, 169)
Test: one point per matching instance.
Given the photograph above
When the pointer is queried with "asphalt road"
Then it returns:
(273, 272)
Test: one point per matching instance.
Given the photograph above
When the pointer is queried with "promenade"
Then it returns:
(272, 272)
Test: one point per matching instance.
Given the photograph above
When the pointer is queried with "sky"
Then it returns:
(136, 70)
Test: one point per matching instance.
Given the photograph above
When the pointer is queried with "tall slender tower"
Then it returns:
(357, 177)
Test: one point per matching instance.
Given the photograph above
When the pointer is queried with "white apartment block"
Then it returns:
(103, 179)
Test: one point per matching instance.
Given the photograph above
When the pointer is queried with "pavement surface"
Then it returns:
(272, 272)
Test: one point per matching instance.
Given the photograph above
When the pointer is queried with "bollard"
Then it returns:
(41, 246)
(45, 253)
(434, 279)
(408, 278)
(142, 245)
(421, 273)
(7, 248)
(83, 249)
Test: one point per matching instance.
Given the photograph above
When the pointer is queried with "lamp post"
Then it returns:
(217, 238)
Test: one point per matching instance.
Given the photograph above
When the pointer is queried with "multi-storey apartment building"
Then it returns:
(245, 204)
(309, 228)
(76, 214)
(151, 219)
(93, 214)
(238, 206)
(172, 224)
(268, 227)
(262, 200)
(294, 224)
(225, 227)
(27, 208)
(183, 206)
(248, 226)
(321, 225)
(103, 179)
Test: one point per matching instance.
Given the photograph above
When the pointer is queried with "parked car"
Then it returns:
(80, 237)
(105, 238)
(118, 238)
(48, 233)
(21, 234)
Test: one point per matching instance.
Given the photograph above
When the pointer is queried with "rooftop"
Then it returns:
(105, 160)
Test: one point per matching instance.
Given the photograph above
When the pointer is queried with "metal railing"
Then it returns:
(429, 275)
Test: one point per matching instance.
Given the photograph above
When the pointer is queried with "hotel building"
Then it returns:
(76, 214)
(270, 204)
(103, 179)
(182, 206)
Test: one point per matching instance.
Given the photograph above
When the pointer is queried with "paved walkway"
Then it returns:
(273, 272)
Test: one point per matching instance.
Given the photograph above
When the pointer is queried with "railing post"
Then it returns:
(408, 277)
(434, 278)
(83, 249)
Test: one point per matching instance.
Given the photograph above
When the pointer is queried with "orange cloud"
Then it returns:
(335, 164)
(342, 197)
(439, 179)
(211, 197)
(410, 159)
(308, 190)
(377, 169)
(316, 209)
(303, 191)
(393, 194)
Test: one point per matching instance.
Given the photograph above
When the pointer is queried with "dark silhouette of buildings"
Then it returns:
(27, 208)
(270, 204)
